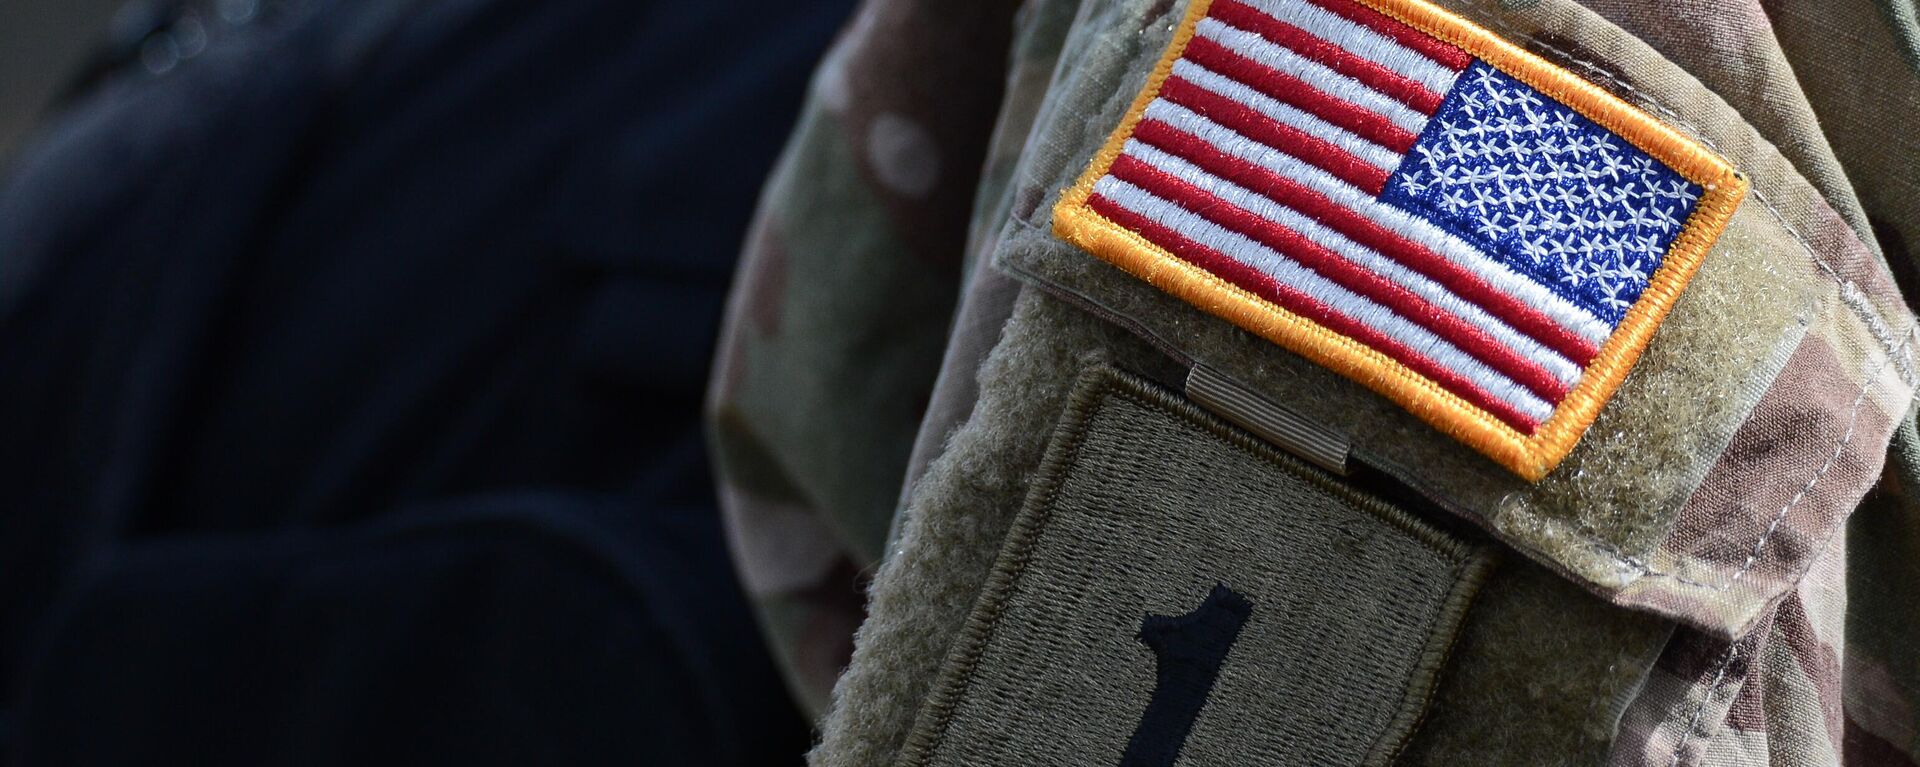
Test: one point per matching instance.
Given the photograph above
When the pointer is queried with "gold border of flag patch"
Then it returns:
(1533, 456)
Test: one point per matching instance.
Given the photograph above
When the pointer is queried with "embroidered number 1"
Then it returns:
(1188, 650)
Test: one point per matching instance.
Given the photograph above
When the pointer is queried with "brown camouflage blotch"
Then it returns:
(1692, 654)
(1817, 660)
(1790, 433)
(1749, 709)
(764, 288)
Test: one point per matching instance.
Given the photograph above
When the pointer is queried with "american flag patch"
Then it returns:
(1406, 198)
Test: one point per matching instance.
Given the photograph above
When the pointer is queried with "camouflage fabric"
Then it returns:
(1830, 679)
(841, 311)
(878, 289)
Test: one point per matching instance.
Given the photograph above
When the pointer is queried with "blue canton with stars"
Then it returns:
(1547, 191)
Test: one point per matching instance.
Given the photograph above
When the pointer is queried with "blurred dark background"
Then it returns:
(351, 356)
(42, 45)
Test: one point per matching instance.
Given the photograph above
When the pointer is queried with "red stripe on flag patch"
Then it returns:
(1430, 47)
(1252, 280)
(1395, 193)
(1296, 92)
(1291, 244)
(1338, 59)
(1366, 232)
(1266, 130)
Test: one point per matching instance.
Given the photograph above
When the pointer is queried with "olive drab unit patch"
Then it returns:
(1412, 201)
(1175, 591)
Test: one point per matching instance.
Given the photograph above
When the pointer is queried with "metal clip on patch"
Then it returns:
(1410, 200)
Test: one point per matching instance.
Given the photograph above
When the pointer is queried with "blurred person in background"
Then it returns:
(350, 361)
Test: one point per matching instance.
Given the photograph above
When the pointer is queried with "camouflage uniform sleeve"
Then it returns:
(1758, 610)
(840, 311)
(1859, 647)
(1832, 674)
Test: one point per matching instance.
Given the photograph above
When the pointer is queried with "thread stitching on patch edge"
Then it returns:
(1530, 457)
(1870, 318)
(1895, 350)
(1645, 100)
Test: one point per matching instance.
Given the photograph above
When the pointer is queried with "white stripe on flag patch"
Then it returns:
(1285, 114)
(1360, 41)
(1411, 201)
(1358, 308)
(1332, 83)
(1562, 369)
(1563, 312)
